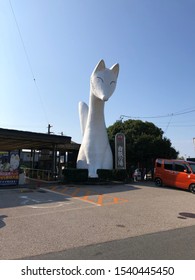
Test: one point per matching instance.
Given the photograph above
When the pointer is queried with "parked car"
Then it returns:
(176, 173)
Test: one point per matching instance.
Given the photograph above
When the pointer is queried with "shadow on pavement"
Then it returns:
(78, 190)
(59, 193)
(2, 223)
(23, 197)
(185, 215)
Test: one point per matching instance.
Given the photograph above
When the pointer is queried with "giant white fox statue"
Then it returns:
(95, 152)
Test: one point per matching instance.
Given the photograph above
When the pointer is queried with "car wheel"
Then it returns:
(158, 182)
(192, 188)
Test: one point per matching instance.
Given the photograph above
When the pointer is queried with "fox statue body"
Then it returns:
(95, 152)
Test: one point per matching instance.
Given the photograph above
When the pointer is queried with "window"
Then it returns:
(192, 165)
(158, 162)
(180, 167)
(168, 165)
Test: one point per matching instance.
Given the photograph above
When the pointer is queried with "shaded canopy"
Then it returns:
(18, 140)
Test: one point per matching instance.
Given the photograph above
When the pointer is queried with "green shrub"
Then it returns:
(112, 175)
(104, 174)
(81, 175)
(75, 175)
(120, 174)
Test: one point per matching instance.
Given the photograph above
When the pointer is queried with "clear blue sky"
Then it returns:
(152, 40)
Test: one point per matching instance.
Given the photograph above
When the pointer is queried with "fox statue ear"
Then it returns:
(115, 69)
(100, 66)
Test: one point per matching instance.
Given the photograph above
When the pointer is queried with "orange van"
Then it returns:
(176, 173)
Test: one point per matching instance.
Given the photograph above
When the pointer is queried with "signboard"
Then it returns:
(120, 151)
(9, 168)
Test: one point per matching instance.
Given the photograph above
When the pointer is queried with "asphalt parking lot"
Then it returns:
(61, 217)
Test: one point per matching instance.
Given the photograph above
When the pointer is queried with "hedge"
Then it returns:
(75, 175)
(104, 174)
(81, 175)
(112, 175)
(119, 174)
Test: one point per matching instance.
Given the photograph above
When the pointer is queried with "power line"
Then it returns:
(168, 124)
(193, 125)
(171, 115)
(158, 116)
(28, 60)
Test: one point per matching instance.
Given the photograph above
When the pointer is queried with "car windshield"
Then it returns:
(192, 165)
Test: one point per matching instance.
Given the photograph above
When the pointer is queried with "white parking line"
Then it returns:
(46, 206)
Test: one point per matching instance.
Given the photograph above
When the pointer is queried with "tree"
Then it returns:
(144, 142)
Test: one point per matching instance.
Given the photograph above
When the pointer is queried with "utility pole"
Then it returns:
(49, 128)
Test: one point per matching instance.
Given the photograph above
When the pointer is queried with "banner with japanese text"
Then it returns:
(120, 151)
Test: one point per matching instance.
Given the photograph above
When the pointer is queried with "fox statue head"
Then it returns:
(103, 80)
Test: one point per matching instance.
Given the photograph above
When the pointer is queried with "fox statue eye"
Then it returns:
(100, 79)
(113, 82)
